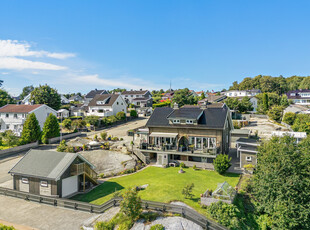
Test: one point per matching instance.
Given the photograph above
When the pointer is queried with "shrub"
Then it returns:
(50, 128)
(31, 129)
(149, 216)
(162, 104)
(131, 106)
(236, 124)
(112, 119)
(5, 227)
(95, 137)
(62, 146)
(121, 115)
(121, 139)
(78, 124)
(93, 120)
(133, 113)
(275, 113)
(225, 214)
(103, 135)
(222, 163)
(187, 190)
(289, 118)
(84, 147)
(194, 167)
(157, 227)
(101, 175)
(115, 139)
(182, 165)
(131, 204)
(67, 123)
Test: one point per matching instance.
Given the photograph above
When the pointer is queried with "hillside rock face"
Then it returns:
(170, 223)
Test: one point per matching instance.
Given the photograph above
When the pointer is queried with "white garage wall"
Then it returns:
(69, 186)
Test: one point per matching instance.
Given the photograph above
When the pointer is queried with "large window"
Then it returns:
(176, 121)
(25, 181)
(202, 142)
(44, 183)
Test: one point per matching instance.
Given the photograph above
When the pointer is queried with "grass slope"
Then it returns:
(165, 185)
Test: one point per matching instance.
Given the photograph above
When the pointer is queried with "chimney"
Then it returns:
(175, 106)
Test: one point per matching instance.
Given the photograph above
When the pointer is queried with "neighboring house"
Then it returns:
(13, 117)
(192, 92)
(63, 113)
(294, 108)
(167, 96)
(142, 98)
(242, 93)
(300, 96)
(93, 93)
(299, 136)
(247, 151)
(212, 99)
(75, 98)
(199, 93)
(78, 110)
(190, 134)
(64, 100)
(106, 105)
(51, 173)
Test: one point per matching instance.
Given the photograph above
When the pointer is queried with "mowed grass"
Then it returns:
(165, 185)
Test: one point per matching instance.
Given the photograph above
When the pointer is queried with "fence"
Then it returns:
(7, 152)
(64, 137)
(187, 213)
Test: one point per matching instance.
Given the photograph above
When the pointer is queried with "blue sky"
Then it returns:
(80, 45)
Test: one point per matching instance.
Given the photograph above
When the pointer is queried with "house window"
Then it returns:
(248, 158)
(7, 115)
(131, 95)
(15, 115)
(44, 183)
(100, 110)
(176, 121)
(7, 126)
(122, 103)
(25, 181)
(15, 127)
(189, 121)
(117, 103)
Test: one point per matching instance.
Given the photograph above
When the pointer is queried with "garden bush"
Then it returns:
(289, 118)
(187, 190)
(182, 165)
(157, 227)
(5, 227)
(67, 124)
(222, 163)
(103, 135)
(93, 120)
(133, 113)
(131, 205)
(50, 129)
(121, 115)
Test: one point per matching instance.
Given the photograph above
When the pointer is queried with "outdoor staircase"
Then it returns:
(85, 170)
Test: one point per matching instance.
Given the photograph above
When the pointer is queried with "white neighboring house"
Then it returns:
(64, 100)
(63, 113)
(13, 117)
(242, 93)
(297, 135)
(141, 98)
(106, 105)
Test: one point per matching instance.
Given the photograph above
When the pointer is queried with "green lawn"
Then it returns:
(165, 185)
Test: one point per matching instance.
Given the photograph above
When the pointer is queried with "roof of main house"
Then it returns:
(94, 92)
(135, 92)
(110, 99)
(12, 108)
(212, 117)
(45, 164)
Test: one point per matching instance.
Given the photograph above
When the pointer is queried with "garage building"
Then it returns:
(51, 173)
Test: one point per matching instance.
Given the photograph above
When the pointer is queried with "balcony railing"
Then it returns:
(78, 169)
(173, 148)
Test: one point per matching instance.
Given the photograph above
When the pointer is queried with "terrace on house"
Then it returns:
(13, 117)
(190, 134)
(300, 96)
(140, 98)
(104, 105)
(52, 173)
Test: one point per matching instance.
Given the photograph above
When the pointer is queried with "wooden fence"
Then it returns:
(187, 213)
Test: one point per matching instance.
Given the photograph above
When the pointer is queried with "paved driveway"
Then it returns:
(5, 166)
(41, 216)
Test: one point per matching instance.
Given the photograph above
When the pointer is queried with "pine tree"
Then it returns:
(265, 102)
(50, 128)
(31, 129)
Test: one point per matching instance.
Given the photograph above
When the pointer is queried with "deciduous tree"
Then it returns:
(44, 94)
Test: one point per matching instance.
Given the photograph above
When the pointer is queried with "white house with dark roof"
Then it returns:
(51, 173)
(140, 98)
(13, 117)
(106, 105)
(89, 96)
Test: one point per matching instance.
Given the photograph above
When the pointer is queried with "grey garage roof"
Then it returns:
(44, 164)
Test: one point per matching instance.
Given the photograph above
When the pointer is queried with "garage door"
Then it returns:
(69, 186)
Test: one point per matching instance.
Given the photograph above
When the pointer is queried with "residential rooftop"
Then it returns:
(12, 108)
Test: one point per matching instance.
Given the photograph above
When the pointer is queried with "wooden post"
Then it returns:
(84, 182)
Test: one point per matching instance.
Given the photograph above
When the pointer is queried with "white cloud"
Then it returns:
(14, 48)
(20, 64)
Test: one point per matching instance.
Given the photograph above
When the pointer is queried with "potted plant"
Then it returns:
(191, 148)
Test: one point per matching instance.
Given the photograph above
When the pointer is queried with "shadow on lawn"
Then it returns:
(105, 189)
(227, 174)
